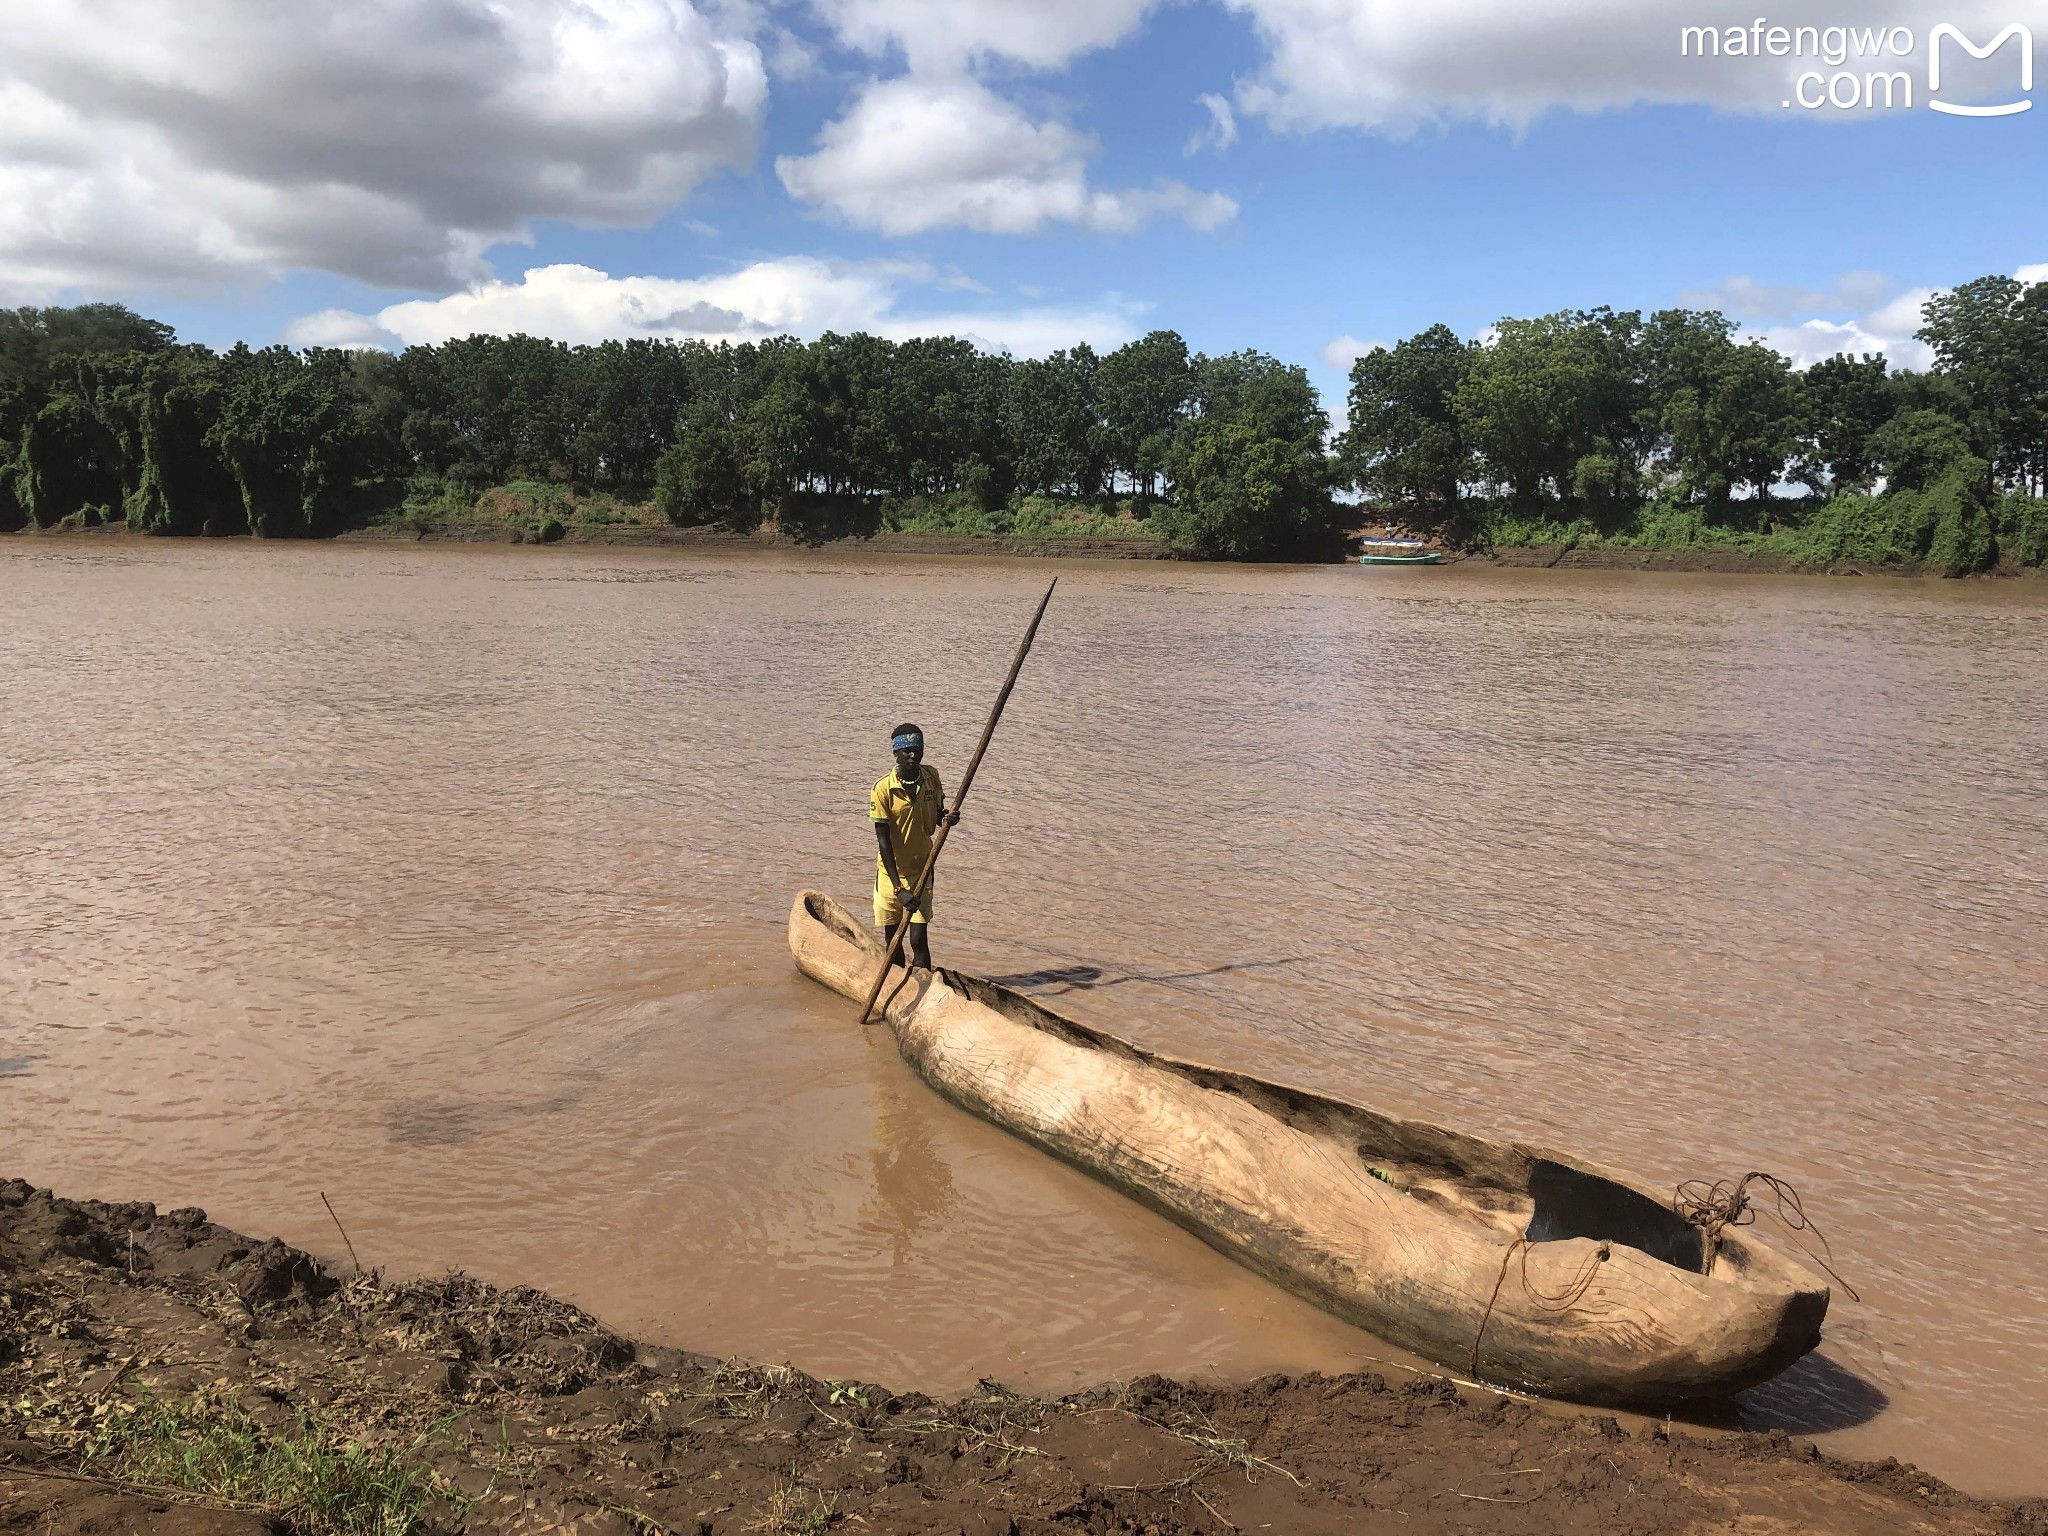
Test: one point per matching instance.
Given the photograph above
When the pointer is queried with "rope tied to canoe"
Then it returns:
(1725, 1203)
(1562, 1300)
(1711, 1207)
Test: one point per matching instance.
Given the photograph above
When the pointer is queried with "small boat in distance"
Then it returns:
(1399, 552)
(1519, 1265)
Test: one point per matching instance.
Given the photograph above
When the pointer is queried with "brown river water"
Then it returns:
(452, 882)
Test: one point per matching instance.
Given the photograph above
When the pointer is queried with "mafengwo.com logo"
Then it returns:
(1865, 68)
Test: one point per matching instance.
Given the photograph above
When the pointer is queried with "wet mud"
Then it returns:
(524, 1413)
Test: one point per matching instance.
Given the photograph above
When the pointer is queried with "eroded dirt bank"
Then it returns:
(517, 1412)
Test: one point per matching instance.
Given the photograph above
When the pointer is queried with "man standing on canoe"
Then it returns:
(906, 806)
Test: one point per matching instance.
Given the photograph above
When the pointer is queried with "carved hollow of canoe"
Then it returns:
(1559, 1279)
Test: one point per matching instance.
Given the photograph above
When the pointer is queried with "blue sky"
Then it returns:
(1030, 174)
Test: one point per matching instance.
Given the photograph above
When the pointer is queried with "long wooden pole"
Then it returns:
(902, 928)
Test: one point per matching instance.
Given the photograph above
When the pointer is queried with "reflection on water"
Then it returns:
(911, 1180)
(452, 882)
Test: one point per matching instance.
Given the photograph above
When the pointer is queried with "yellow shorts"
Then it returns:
(888, 909)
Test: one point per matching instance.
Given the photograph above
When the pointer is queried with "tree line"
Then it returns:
(103, 415)
(1603, 423)
(1624, 426)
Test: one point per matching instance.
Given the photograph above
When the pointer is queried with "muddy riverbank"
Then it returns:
(1079, 547)
(492, 1409)
(635, 536)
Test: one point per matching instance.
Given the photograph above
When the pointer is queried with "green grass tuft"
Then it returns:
(209, 1444)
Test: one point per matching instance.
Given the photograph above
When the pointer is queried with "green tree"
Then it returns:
(1404, 444)
(1917, 448)
(36, 344)
(635, 392)
(1249, 476)
(1144, 388)
(163, 407)
(1990, 337)
(67, 462)
(1730, 412)
(1843, 401)
(1054, 422)
(293, 432)
(701, 476)
(1554, 408)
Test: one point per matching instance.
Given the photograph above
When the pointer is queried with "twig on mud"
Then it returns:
(1489, 1498)
(120, 1371)
(643, 1523)
(358, 1263)
(1178, 1485)
(975, 1437)
(1213, 1510)
(1207, 1438)
(1440, 1375)
(982, 1423)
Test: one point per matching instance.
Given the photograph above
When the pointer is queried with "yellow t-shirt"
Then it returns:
(912, 815)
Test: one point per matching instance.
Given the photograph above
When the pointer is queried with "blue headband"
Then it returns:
(909, 741)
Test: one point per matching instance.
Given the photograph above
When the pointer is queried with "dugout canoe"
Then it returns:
(1523, 1266)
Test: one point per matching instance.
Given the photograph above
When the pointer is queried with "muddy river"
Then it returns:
(452, 882)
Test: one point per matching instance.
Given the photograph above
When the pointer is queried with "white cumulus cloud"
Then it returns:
(1743, 298)
(794, 295)
(1395, 65)
(918, 153)
(1221, 129)
(1340, 352)
(1859, 313)
(948, 34)
(145, 144)
(1887, 329)
(1863, 312)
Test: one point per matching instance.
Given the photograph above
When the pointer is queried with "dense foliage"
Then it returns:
(103, 417)
(1584, 424)
(1669, 430)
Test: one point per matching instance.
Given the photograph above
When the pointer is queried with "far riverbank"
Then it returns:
(1092, 546)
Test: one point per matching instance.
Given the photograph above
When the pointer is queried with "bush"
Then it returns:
(2022, 528)
(1245, 494)
(1893, 529)
(960, 514)
(1962, 541)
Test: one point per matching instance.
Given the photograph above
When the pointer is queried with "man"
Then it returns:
(906, 806)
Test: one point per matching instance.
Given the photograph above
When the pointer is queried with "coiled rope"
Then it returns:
(1715, 1207)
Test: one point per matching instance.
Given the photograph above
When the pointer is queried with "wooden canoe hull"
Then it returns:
(1525, 1266)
